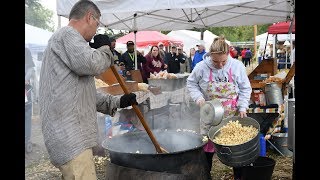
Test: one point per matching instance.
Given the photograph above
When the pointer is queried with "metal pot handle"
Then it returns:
(224, 151)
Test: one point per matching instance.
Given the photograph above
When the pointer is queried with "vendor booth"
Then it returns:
(269, 98)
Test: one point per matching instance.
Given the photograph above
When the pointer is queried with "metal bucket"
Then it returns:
(279, 140)
(212, 111)
(168, 84)
(237, 155)
(273, 94)
(291, 123)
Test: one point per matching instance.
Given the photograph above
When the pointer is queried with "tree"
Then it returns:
(37, 15)
(238, 33)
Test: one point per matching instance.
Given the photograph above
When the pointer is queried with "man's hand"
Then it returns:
(128, 100)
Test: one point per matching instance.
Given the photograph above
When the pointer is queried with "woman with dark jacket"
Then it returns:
(190, 59)
(154, 63)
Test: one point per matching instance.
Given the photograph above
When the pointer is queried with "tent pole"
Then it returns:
(135, 51)
(290, 31)
(135, 42)
(291, 50)
(265, 47)
(255, 40)
(286, 58)
(274, 46)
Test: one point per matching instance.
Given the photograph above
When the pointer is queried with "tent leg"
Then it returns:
(265, 47)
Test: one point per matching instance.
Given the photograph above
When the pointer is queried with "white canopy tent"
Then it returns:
(123, 48)
(36, 39)
(188, 41)
(280, 37)
(192, 38)
(182, 14)
(134, 15)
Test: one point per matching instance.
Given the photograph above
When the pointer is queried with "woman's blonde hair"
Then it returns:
(219, 46)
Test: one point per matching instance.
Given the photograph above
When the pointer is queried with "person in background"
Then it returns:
(190, 59)
(183, 66)
(238, 52)
(243, 55)
(29, 68)
(68, 98)
(233, 52)
(198, 56)
(248, 57)
(173, 60)
(117, 56)
(142, 52)
(37, 63)
(128, 59)
(154, 63)
(161, 50)
(220, 77)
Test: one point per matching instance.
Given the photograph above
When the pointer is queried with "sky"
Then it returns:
(52, 4)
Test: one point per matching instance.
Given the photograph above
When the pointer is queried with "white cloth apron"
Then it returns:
(225, 92)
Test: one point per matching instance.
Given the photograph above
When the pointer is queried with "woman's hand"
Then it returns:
(243, 114)
(201, 101)
(165, 66)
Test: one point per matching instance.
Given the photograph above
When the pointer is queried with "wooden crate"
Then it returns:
(288, 78)
(257, 84)
(108, 77)
(267, 66)
(136, 75)
(116, 89)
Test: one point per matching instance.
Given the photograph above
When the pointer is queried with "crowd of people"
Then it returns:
(156, 60)
(174, 61)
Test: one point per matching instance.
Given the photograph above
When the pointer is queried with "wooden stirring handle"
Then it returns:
(138, 112)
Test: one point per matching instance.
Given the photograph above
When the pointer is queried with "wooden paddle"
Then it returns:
(138, 112)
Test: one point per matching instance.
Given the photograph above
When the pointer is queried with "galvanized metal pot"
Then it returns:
(237, 155)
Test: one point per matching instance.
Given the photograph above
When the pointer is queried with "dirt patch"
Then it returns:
(39, 150)
(44, 170)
